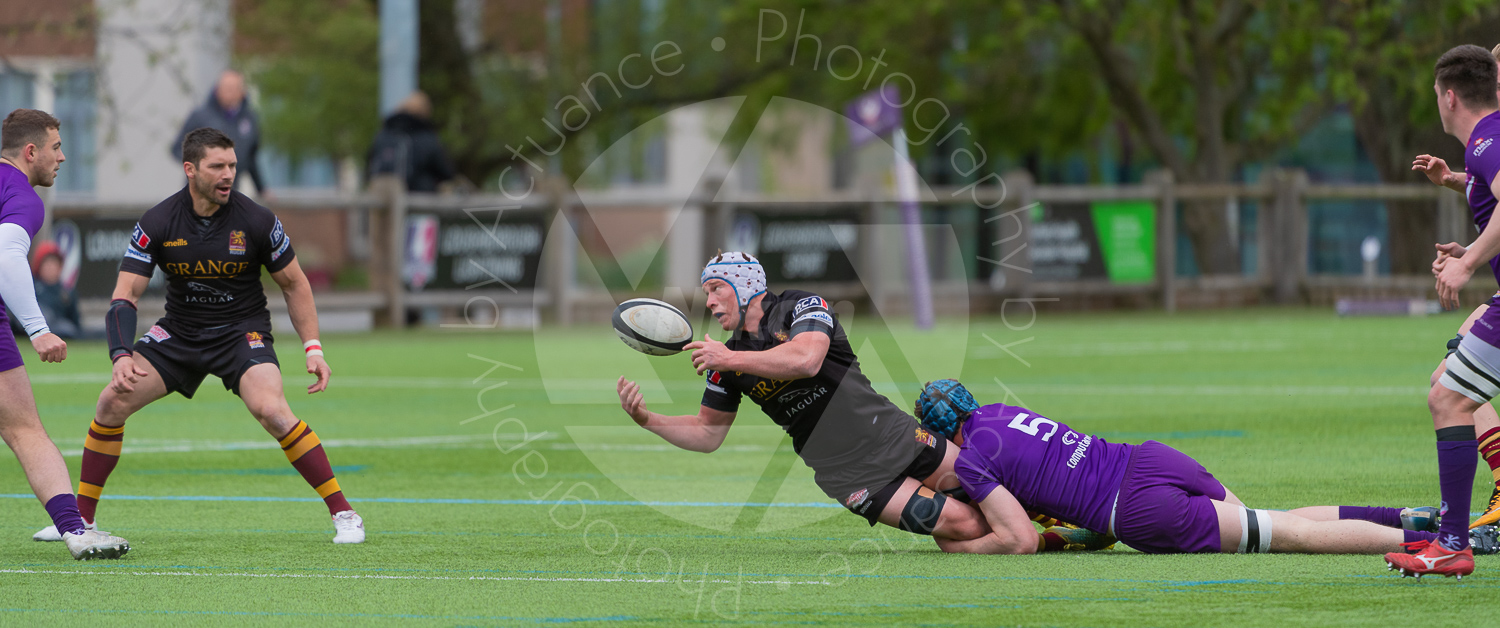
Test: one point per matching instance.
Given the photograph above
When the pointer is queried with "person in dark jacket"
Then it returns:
(59, 303)
(408, 146)
(228, 111)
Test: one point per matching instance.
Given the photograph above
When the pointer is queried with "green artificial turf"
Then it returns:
(501, 484)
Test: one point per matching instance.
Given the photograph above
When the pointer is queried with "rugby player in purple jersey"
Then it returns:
(1465, 85)
(1150, 496)
(1486, 421)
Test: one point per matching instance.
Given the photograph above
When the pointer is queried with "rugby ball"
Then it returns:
(652, 327)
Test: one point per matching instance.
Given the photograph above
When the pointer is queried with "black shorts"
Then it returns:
(184, 355)
(927, 462)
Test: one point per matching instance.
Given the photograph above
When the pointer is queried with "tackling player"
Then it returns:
(1152, 497)
(791, 356)
(212, 242)
(30, 155)
(1466, 81)
(1486, 421)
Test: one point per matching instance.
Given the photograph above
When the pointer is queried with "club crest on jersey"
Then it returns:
(156, 333)
(236, 243)
(926, 438)
(809, 302)
(139, 238)
(1482, 143)
(782, 336)
(254, 338)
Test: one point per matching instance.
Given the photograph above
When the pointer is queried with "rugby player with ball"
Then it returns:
(790, 355)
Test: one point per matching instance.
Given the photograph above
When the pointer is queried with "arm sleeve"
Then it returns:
(276, 247)
(140, 252)
(720, 394)
(16, 288)
(811, 314)
(977, 481)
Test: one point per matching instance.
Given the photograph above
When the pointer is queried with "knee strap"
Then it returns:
(1255, 531)
(920, 515)
(959, 494)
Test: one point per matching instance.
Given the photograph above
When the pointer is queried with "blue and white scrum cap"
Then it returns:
(741, 271)
(943, 405)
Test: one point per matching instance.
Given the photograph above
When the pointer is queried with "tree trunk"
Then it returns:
(1207, 226)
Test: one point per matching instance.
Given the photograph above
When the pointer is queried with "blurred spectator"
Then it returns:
(58, 302)
(408, 146)
(228, 110)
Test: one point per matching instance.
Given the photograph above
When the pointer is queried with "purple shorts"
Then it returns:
(1165, 503)
(10, 352)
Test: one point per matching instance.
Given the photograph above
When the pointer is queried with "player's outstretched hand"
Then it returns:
(50, 348)
(1434, 167)
(632, 401)
(709, 354)
(125, 375)
(317, 366)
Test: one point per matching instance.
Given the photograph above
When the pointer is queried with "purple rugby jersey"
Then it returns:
(1048, 467)
(1482, 162)
(19, 203)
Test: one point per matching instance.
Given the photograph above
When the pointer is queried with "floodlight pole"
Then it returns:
(398, 52)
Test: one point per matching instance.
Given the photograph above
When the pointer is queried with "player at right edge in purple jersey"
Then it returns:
(1465, 85)
(1149, 496)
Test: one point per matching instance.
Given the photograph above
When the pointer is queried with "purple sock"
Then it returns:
(1456, 463)
(1380, 515)
(1413, 535)
(64, 511)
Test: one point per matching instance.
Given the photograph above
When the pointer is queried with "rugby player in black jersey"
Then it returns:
(792, 358)
(212, 243)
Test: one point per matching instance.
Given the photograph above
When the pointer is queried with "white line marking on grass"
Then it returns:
(200, 574)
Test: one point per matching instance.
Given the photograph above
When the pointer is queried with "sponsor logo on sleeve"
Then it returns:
(714, 377)
(131, 253)
(139, 238)
(277, 233)
(281, 250)
(156, 333)
(236, 243)
(821, 317)
(1482, 143)
(254, 338)
(809, 302)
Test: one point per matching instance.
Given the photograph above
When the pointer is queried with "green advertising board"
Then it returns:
(1127, 237)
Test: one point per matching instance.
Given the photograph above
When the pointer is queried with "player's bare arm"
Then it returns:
(1438, 173)
(128, 288)
(304, 313)
(701, 433)
(1011, 530)
(1452, 277)
(797, 358)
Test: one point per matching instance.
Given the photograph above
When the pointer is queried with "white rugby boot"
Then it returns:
(349, 527)
(95, 544)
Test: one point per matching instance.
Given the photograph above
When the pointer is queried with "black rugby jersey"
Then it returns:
(839, 387)
(212, 264)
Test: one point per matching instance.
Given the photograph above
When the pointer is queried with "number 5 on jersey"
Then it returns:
(1035, 426)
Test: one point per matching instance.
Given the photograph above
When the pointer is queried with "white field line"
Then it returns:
(198, 574)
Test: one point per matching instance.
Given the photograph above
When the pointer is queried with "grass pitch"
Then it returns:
(501, 485)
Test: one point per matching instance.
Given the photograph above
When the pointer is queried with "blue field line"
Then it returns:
(454, 500)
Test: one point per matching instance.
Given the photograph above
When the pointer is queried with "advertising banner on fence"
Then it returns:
(812, 248)
(456, 251)
(1105, 240)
